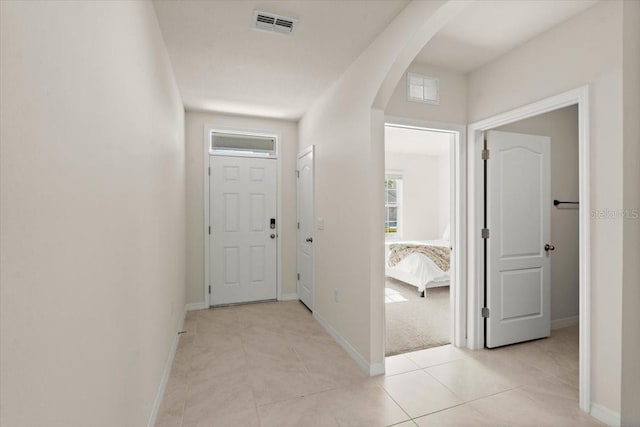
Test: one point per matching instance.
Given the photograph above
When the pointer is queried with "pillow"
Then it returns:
(447, 233)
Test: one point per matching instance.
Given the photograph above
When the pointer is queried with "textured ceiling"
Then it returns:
(490, 28)
(222, 64)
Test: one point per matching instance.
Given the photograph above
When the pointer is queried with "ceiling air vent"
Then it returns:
(272, 22)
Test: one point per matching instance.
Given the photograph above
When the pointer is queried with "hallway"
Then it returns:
(272, 364)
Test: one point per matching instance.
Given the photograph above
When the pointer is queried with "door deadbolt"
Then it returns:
(549, 247)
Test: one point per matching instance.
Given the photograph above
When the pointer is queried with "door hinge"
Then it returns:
(298, 226)
(209, 229)
(298, 276)
(209, 288)
(485, 312)
(485, 154)
(297, 174)
(485, 233)
(209, 170)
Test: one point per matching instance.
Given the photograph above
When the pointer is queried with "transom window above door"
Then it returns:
(242, 144)
(393, 205)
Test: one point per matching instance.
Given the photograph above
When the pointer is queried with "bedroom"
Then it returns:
(417, 238)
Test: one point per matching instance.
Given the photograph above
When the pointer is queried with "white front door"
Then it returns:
(243, 229)
(305, 228)
(518, 215)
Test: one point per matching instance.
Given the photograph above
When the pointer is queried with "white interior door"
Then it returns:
(518, 215)
(305, 228)
(243, 229)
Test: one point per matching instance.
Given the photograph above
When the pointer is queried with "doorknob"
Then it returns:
(549, 247)
(310, 239)
(273, 236)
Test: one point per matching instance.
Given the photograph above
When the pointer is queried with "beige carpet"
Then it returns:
(415, 323)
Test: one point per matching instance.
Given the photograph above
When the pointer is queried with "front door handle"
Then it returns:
(549, 247)
(309, 239)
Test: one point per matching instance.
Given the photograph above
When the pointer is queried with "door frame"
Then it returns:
(458, 292)
(309, 150)
(475, 203)
(205, 228)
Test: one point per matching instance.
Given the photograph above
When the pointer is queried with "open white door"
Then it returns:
(305, 228)
(518, 215)
(242, 209)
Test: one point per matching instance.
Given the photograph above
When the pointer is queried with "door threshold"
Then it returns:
(233, 304)
(305, 306)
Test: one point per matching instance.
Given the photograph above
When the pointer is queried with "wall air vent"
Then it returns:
(272, 22)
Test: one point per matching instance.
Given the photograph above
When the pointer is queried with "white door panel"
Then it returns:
(518, 215)
(305, 229)
(243, 251)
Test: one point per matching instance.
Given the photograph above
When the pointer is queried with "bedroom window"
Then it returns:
(392, 205)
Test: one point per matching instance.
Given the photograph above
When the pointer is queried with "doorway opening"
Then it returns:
(547, 242)
(419, 214)
(567, 315)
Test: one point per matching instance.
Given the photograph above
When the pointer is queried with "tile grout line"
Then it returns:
(493, 394)
(188, 383)
(302, 361)
(399, 406)
(464, 402)
(427, 367)
(435, 379)
(299, 357)
(512, 385)
(188, 374)
(439, 410)
(440, 382)
(245, 371)
(405, 372)
(255, 401)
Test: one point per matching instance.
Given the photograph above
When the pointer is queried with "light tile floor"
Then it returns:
(272, 364)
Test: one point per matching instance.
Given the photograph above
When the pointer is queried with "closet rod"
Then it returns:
(558, 202)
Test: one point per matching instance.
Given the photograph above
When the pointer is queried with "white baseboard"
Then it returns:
(376, 369)
(165, 376)
(371, 370)
(288, 297)
(606, 415)
(564, 322)
(196, 306)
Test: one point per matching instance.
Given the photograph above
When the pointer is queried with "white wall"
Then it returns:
(562, 126)
(451, 109)
(453, 97)
(421, 188)
(349, 138)
(631, 228)
(195, 125)
(587, 49)
(444, 195)
(92, 212)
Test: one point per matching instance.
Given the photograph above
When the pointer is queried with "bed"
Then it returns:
(416, 268)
